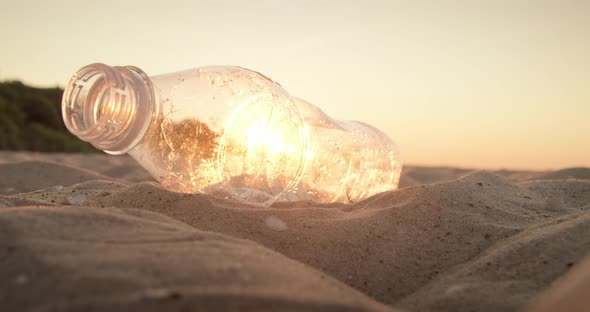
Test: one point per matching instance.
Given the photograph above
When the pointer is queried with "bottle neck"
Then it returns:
(110, 107)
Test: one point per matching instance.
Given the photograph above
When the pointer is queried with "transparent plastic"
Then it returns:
(229, 132)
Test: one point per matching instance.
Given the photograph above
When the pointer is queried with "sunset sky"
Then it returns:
(485, 84)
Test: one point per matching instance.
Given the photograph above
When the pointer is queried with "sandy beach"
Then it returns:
(88, 232)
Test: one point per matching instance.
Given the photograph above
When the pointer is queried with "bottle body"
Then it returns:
(346, 161)
(225, 131)
(232, 133)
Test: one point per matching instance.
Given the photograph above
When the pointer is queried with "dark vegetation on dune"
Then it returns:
(30, 119)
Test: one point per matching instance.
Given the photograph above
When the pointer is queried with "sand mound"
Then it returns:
(87, 259)
(570, 173)
(515, 269)
(412, 175)
(33, 175)
(480, 241)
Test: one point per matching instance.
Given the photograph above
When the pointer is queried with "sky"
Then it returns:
(479, 84)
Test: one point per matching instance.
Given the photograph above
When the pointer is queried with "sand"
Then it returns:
(94, 232)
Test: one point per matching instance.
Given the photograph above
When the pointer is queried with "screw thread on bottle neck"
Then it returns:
(109, 106)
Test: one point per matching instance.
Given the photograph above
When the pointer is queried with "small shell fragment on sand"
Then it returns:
(456, 289)
(75, 199)
(275, 223)
(21, 279)
(56, 188)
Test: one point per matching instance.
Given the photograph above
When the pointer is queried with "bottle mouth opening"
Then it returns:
(108, 106)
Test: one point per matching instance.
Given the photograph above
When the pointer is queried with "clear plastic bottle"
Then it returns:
(229, 132)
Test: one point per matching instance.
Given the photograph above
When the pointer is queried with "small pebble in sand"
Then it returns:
(21, 279)
(275, 223)
(160, 293)
(76, 199)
